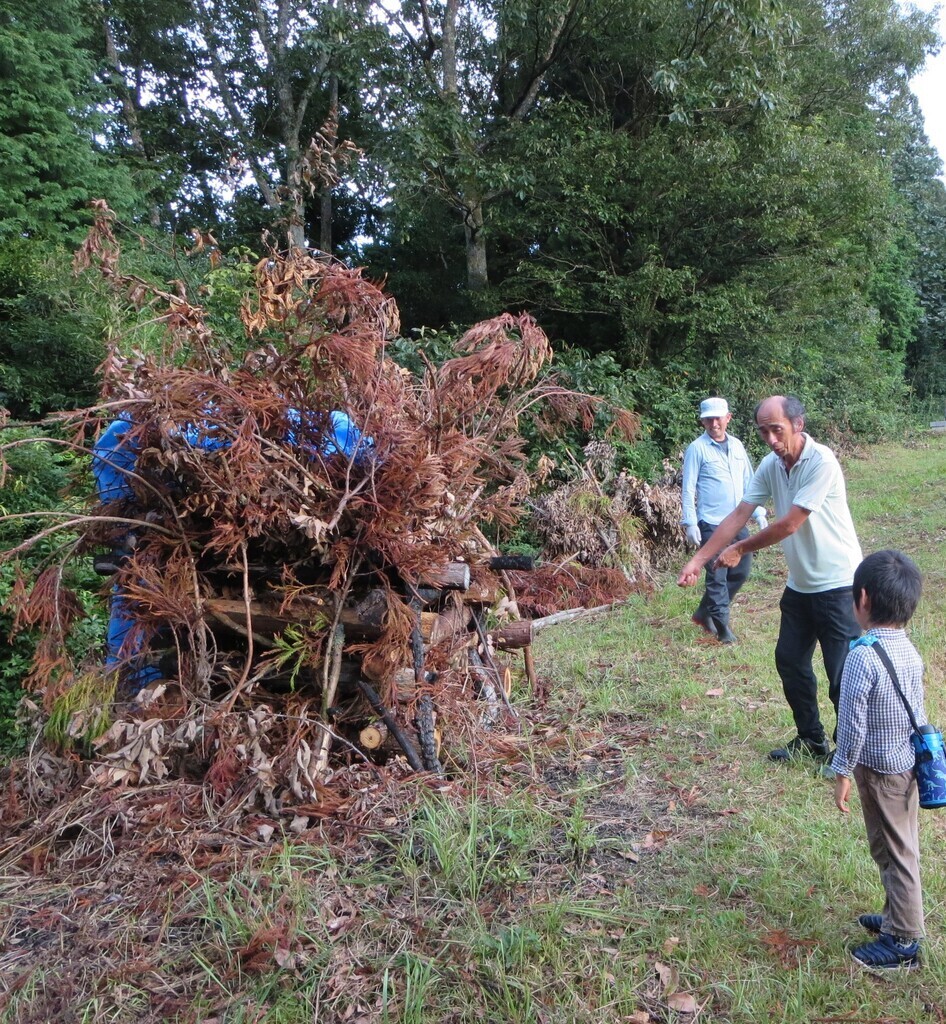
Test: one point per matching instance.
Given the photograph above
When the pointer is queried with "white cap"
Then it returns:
(713, 407)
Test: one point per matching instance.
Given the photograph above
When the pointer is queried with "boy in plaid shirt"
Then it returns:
(873, 746)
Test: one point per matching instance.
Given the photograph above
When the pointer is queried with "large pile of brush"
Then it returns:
(604, 519)
(325, 560)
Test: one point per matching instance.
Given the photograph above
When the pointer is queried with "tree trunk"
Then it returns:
(326, 213)
(449, 47)
(129, 109)
(296, 235)
(477, 279)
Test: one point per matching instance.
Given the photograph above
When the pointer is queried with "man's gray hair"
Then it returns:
(793, 408)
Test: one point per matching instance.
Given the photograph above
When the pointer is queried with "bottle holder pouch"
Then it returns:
(930, 766)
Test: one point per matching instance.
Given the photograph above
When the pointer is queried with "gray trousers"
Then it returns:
(722, 584)
(890, 804)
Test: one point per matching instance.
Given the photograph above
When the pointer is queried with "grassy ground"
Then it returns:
(634, 857)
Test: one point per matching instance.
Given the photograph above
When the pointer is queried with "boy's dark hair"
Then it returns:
(893, 583)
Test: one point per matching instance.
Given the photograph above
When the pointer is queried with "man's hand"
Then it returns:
(842, 793)
(693, 536)
(689, 574)
(729, 557)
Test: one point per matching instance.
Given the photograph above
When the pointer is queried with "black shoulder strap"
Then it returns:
(888, 665)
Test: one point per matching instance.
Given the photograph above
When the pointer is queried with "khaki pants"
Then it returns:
(890, 804)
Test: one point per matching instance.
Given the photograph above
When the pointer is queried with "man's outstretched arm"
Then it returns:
(722, 536)
(772, 534)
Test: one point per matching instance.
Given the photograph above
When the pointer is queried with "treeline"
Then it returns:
(719, 195)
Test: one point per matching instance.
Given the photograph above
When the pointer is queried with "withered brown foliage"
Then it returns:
(603, 519)
(244, 519)
(552, 588)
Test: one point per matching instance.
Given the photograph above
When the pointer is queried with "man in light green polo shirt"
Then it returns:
(804, 482)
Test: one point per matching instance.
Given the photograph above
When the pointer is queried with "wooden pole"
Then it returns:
(334, 659)
(530, 667)
(571, 614)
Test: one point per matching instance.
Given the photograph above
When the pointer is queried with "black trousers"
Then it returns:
(722, 584)
(827, 619)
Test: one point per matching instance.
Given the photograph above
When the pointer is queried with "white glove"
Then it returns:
(693, 536)
(763, 520)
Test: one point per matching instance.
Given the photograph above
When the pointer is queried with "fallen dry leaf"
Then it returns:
(717, 692)
(787, 948)
(284, 958)
(654, 838)
(668, 974)
(682, 1002)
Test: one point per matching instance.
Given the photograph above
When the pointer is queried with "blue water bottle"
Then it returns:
(930, 766)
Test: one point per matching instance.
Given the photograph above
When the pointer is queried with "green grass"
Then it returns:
(642, 850)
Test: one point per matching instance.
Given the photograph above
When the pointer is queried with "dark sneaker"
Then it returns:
(705, 624)
(888, 953)
(802, 748)
(872, 922)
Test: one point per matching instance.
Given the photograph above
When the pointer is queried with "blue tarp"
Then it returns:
(114, 458)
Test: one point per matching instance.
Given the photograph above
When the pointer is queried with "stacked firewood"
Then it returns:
(461, 631)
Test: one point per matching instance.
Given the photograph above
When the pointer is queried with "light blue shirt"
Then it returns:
(715, 475)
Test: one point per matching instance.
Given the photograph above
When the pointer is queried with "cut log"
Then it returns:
(523, 563)
(267, 621)
(387, 744)
(454, 576)
(513, 636)
(429, 596)
(452, 621)
(483, 592)
(405, 685)
(373, 735)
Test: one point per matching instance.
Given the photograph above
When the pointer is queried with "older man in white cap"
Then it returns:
(716, 470)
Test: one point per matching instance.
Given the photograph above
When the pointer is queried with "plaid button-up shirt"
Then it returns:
(873, 726)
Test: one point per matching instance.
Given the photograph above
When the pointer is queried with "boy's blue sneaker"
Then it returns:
(872, 922)
(888, 953)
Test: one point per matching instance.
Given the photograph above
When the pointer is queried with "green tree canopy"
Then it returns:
(51, 166)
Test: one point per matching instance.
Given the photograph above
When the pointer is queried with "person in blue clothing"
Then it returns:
(114, 460)
(716, 470)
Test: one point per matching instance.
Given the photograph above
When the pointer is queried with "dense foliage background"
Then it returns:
(731, 196)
